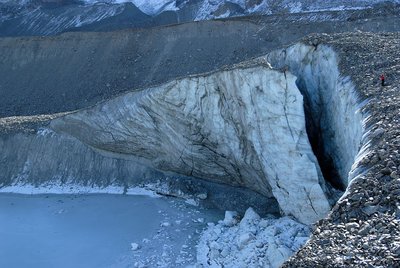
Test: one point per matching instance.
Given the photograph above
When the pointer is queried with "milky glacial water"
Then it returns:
(97, 230)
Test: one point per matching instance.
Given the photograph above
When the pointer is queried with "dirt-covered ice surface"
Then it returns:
(99, 231)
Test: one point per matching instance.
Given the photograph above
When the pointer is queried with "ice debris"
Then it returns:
(251, 242)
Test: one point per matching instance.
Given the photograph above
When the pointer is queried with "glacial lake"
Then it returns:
(97, 230)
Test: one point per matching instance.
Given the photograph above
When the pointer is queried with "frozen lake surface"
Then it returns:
(97, 230)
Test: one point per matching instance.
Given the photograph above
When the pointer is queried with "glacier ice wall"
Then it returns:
(243, 127)
(47, 158)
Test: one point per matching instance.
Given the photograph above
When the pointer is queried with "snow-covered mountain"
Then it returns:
(213, 8)
(206, 9)
(150, 7)
(46, 17)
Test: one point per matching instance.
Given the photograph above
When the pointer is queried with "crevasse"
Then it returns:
(335, 120)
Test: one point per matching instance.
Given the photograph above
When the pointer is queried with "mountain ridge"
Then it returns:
(49, 17)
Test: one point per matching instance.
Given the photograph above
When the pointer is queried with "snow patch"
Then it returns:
(205, 10)
(45, 132)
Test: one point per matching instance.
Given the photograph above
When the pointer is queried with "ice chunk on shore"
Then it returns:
(230, 218)
(134, 246)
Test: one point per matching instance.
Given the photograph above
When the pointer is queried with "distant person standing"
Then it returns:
(382, 78)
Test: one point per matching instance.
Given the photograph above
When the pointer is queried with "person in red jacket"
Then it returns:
(382, 78)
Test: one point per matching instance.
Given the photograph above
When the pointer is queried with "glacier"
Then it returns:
(334, 108)
(248, 125)
(244, 127)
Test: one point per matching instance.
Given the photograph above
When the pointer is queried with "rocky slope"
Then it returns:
(98, 66)
(37, 84)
